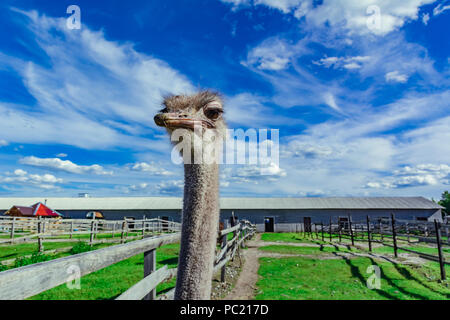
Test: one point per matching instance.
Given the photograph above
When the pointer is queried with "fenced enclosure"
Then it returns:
(27, 281)
(15, 230)
(390, 232)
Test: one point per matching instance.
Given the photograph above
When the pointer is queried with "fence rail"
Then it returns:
(27, 281)
(388, 229)
(18, 230)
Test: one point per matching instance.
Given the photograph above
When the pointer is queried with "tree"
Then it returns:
(445, 202)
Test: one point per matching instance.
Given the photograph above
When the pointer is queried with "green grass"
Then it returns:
(98, 236)
(291, 237)
(19, 250)
(422, 249)
(306, 250)
(110, 282)
(313, 279)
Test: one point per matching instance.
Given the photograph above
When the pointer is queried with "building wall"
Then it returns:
(291, 220)
(291, 217)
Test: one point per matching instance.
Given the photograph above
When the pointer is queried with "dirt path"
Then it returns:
(246, 284)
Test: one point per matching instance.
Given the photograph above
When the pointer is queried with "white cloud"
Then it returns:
(328, 61)
(440, 8)
(274, 54)
(3, 143)
(137, 187)
(86, 75)
(352, 16)
(305, 150)
(425, 18)
(420, 175)
(395, 76)
(348, 63)
(61, 155)
(64, 165)
(331, 102)
(21, 177)
(236, 2)
(247, 109)
(253, 174)
(312, 194)
(20, 172)
(174, 187)
(351, 66)
(150, 168)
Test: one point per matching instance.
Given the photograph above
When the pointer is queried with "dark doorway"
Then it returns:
(130, 222)
(269, 224)
(343, 223)
(307, 224)
(165, 224)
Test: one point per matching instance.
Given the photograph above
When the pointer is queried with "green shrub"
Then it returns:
(80, 247)
(35, 258)
(3, 268)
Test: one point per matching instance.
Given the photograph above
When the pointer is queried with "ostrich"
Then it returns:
(197, 115)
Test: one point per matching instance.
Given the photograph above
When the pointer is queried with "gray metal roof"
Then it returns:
(161, 203)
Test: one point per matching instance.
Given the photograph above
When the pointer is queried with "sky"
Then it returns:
(358, 89)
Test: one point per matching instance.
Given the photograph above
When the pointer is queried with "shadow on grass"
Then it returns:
(403, 290)
(356, 273)
(169, 261)
(409, 276)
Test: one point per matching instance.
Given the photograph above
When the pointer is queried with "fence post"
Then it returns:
(394, 234)
(143, 228)
(150, 267)
(71, 229)
(12, 229)
(91, 238)
(114, 229)
(351, 229)
(331, 226)
(448, 237)
(244, 232)
(381, 229)
(122, 237)
(407, 231)
(368, 234)
(97, 224)
(437, 226)
(223, 245)
(40, 245)
(323, 237)
(340, 232)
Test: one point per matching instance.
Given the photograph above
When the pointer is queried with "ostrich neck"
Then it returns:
(200, 220)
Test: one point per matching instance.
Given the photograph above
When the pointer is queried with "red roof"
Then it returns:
(38, 209)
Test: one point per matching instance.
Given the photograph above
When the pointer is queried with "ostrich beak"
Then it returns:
(174, 121)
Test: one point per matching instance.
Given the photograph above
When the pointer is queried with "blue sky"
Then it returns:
(362, 104)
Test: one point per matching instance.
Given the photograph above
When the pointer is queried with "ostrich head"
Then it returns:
(197, 118)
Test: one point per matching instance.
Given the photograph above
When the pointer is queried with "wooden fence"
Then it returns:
(390, 232)
(27, 281)
(19, 230)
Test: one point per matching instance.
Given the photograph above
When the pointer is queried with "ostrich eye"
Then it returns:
(212, 114)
